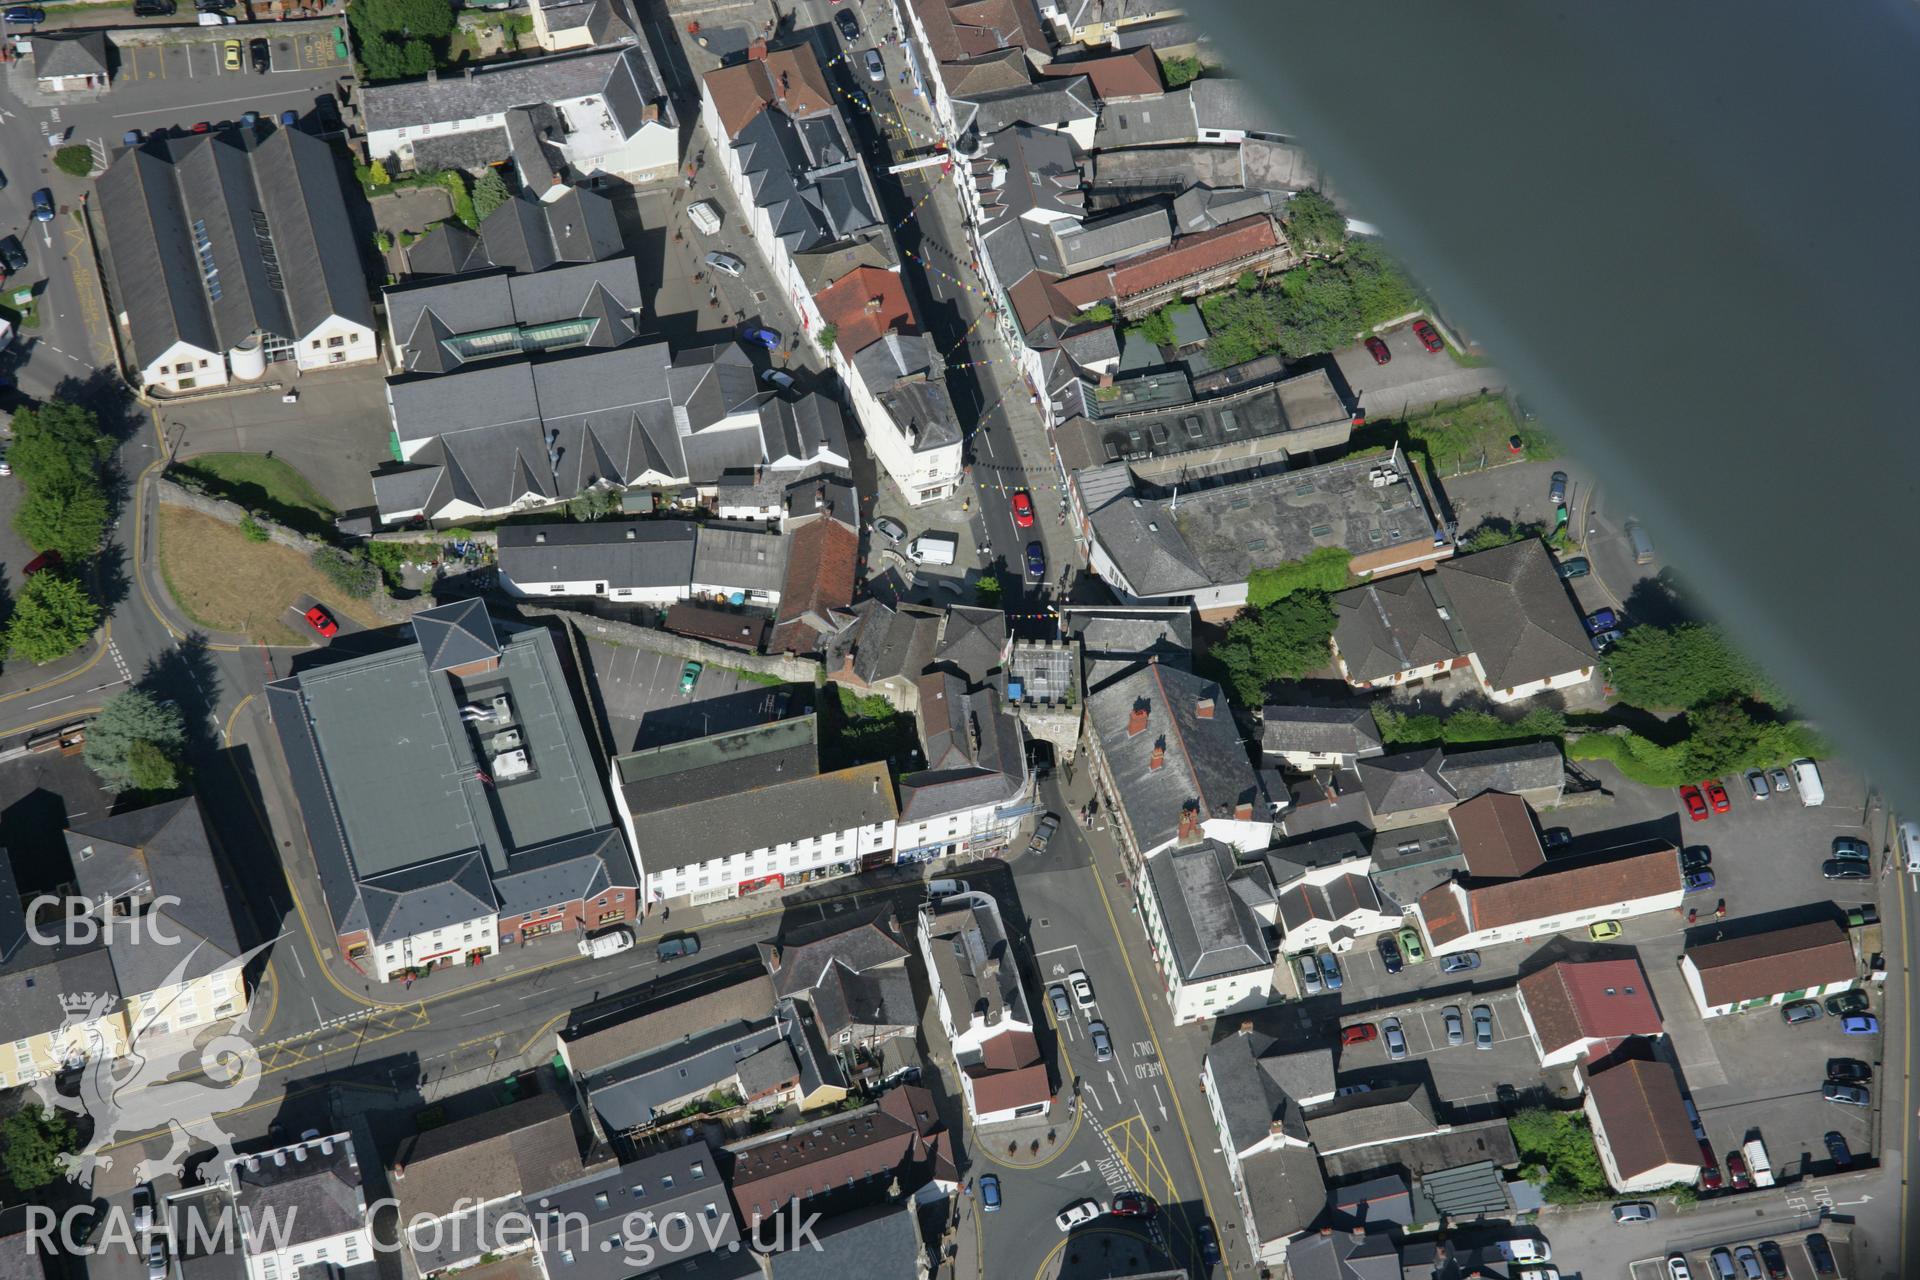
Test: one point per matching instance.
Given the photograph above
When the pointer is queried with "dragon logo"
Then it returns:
(152, 1088)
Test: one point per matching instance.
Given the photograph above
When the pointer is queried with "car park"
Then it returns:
(1359, 1033)
(1428, 335)
(677, 948)
(1080, 1210)
(690, 676)
(848, 24)
(1772, 1259)
(876, 69)
(1062, 1007)
(43, 205)
(1377, 348)
(230, 55)
(890, 529)
(1677, 1268)
(1390, 954)
(1022, 506)
(1757, 784)
(322, 621)
(1843, 1003)
(1410, 944)
(1395, 1037)
(722, 261)
(262, 54)
(1737, 1174)
(1695, 802)
(1720, 1263)
(1847, 1095)
(1036, 560)
(1482, 1027)
(1102, 1043)
(1557, 489)
(1634, 1211)
(1795, 1012)
(1455, 1027)
(1850, 1070)
(1601, 620)
(1604, 930)
(1717, 795)
(1330, 971)
(1460, 962)
(1848, 847)
(990, 1192)
(1699, 881)
(1846, 869)
(1133, 1204)
(1082, 988)
(1311, 982)
(1838, 1150)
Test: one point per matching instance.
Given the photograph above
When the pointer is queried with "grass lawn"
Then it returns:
(226, 583)
(1474, 434)
(266, 485)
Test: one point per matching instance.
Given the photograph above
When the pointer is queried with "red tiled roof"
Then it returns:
(1191, 255)
(1639, 1108)
(820, 563)
(972, 27)
(1762, 965)
(1010, 1051)
(720, 626)
(743, 91)
(1004, 1090)
(1123, 75)
(1038, 297)
(1574, 1001)
(827, 1152)
(1497, 835)
(863, 305)
(1548, 892)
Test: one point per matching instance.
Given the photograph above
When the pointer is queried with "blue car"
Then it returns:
(43, 205)
(1860, 1024)
(768, 338)
(25, 15)
(1036, 560)
(1602, 620)
(1329, 971)
(990, 1192)
(1699, 880)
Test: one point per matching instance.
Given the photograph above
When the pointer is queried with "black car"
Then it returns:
(1209, 1246)
(13, 255)
(1036, 556)
(153, 8)
(1848, 1002)
(1772, 1259)
(1848, 847)
(1838, 1149)
(1846, 869)
(25, 15)
(1695, 857)
(1821, 1255)
(212, 6)
(848, 24)
(1390, 954)
(1849, 1070)
(675, 948)
(262, 54)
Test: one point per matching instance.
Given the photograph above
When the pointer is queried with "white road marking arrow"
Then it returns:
(1163, 1103)
(1083, 1167)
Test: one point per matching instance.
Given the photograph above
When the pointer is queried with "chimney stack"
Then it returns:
(1243, 812)
(1204, 709)
(1246, 1026)
(1189, 824)
(1159, 758)
(1137, 722)
(773, 959)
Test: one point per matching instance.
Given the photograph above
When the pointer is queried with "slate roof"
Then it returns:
(1369, 1119)
(923, 411)
(57, 54)
(1392, 626)
(806, 177)
(310, 1192)
(740, 559)
(1333, 901)
(1322, 730)
(406, 835)
(874, 943)
(1344, 1255)
(1026, 178)
(521, 1148)
(35, 977)
(630, 1094)
(1221, 103)
(974, 748)
(1055, 102)
(1497, 836)
(1762, 965)
(899, 1134)
(1204, 766)
(1517, 613)
(160, 855)
(1573, 1001)
(621, 553)
(1527, 766)
(1405, 780)
(1157, 122)
(621, 77)
(874, 1242)
(1208, 904)
(1557, 889)
(884, 642)
(282, 253)
(1199, 208)
(440, 325)
(671, 1191)
(1638, 1107)
(526, 234)
(1285, 1189)
(597, 1047)
(603, 20)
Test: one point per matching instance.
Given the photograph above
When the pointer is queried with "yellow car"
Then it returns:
(1604, 931)
(232, 55)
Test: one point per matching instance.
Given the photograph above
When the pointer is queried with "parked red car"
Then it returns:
(1359, 1034)
(1134, 1204)
(45, 560)
(1696, 807)
(1709, 1168)
(1022, 509)
(1737, 1170)
(1428, 335)
(1378, 349)
(1717, 795)
(323, 622)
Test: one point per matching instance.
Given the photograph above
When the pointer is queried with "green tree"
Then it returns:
(52, 618)
(1489, 534)
(986, 592)
(75, 161)
(489, 192)
(1720, 739)
(1322, 569)
(1157, 328)
(1561, 1143)
(32, 1140)
(355, 574)
(1381, 290)
(58, 440)
(1280, 641)
(827, 336)
(1679, 667)
(129, 732)
(1180, 71)
(377, 174)
(1314, 226)
(1241, 325)
(66, 516)
(1098, 313)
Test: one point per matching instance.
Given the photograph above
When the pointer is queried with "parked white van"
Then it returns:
(704, 216)
(1806, 776)
(1910, 844)
(610, 943)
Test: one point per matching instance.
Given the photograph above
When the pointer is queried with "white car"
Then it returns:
(1078, 1212)
(1082, 988)
(1522, 1249)
(704, 216)
(1677, 1268)
(610, 943)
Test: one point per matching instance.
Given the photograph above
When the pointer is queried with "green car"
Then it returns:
(690, 676)
(1410, 943)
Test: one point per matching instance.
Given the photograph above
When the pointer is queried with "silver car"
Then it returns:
(876, 69)
(1757, 783)
(1781, 782)
(1482, 1027)
(1062, 1007)
(1102, 1043)
(1310, 976)
(1396, 1039)
(725, 262)
(1456, 1029)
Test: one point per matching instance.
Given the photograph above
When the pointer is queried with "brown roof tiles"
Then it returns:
(1124, 75)
(1638, 1105)
(1548, 892)
(863, 306)
(1574, 1001)
(1762, 965)
(1497, 836)
(791, 77)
